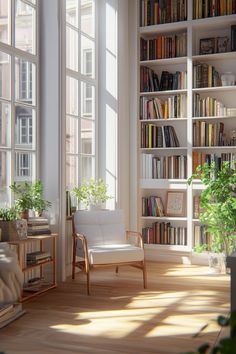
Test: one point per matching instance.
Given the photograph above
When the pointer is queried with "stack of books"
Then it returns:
(199, 158)
(205, 75)
(152, 206)
(210, 8)
(208, 107)
(38, 257)
(208, 134)
(38, 226)
(201, 237)
(9, 313)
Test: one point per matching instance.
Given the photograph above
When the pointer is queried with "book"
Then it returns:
(37, 255)
(233, 38)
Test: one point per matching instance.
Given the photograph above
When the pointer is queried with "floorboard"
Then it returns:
(120, 316)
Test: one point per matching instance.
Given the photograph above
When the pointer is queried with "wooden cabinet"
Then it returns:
(39, 276)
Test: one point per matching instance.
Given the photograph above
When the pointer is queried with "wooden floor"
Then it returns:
(121, 317)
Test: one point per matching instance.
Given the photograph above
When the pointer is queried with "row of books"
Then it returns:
(163, 47)
(208, 134)
(165, 234)
(200, 158)
(208, 107)
(155, 108)
(153, 136)
(154, 12)
(211, 8)
(163, 167)
(152, 206)
(38, 257)
(38, 226)
(201, 237)
(205, 75)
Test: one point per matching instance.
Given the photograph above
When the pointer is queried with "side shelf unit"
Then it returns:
(150, 154)
(46, 277)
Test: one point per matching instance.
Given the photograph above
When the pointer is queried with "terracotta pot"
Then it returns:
(24, 214)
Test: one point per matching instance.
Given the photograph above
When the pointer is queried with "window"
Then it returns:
(81, 118)
(18, 96)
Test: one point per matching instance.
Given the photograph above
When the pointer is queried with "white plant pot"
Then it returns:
(217, 262)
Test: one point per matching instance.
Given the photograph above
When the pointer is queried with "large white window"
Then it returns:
(18, 93)
(81, 88)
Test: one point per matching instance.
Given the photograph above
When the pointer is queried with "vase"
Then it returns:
(217, 262)
(228, 79)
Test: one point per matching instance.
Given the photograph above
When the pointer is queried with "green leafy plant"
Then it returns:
(226, 345)
(92, 192)
(8, 214)
(29, 196)
(218, 205)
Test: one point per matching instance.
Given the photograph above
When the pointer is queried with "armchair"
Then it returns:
(100, 239)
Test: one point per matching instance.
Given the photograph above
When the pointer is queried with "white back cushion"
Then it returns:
(101, 226)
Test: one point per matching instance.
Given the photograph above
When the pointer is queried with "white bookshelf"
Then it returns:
(223, 62)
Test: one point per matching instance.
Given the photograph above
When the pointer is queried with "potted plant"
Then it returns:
(218, 205)
(92, 193)
(29, 196)
(11, 227)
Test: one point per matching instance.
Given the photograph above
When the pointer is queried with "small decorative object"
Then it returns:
(175, 204)
(29, 197)
(92, 193)
(231, 112)
(228, 79)
(233, 137)
(222, 44)
(207, 46)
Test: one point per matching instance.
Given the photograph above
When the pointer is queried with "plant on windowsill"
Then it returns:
(29, 197)
(92, 193)
(218, 205)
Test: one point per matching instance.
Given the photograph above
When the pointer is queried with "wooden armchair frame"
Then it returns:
(85, 266)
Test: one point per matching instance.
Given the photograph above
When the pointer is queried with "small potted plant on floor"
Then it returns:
(29, 197)
(218, 205)
(92, 193)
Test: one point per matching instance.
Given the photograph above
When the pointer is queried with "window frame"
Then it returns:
(14, 53)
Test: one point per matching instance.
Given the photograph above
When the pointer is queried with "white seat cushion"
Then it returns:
(115, 253)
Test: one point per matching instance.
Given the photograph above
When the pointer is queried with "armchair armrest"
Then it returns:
(137, 235)
(82, 238)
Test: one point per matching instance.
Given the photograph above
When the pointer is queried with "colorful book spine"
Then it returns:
(164, 233)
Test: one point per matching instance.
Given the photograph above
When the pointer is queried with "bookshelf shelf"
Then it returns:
(163, 28)
(32, 266)
(214, 89)
(222, 96)
(164, 218)
(213, 57)
(167, 61)
(163, 93)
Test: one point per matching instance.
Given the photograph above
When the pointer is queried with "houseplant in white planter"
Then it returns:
(92, 193)
(218, 206)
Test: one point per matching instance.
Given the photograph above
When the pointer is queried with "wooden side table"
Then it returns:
(21, 249)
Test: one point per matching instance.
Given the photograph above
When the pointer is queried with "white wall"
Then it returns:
(50, 152)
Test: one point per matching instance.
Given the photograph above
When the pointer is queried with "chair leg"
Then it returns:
(117, 270)
(73, 259)
(144, 275)
(88, 282)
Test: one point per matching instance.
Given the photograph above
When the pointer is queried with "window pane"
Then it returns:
(87, 136)
(72, 96)
(87, 100)
(5, 124)
(88, 167)
(71, 172)
(25, 127)
(72, 12)
(72, 49)
(71, 135)
(87, 57)
(25, 81)
(5, 75)
(25, 27)
(87, 17)
(5, 180)
(5, 11)
(24, 166)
